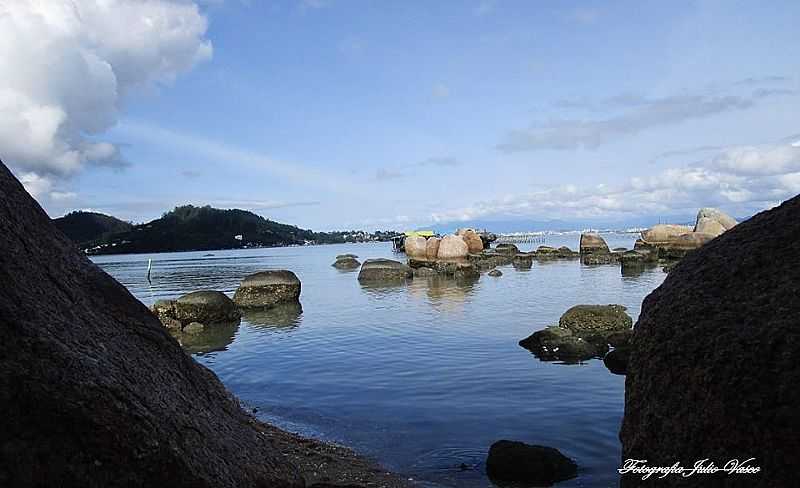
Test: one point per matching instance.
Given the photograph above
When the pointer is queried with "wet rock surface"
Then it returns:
(526, 463)
(383, 270)
(583, 332)
(266, 289)
(713, 363)
(346, 262)
(207, 307)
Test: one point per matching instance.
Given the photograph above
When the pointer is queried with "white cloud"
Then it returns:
(68, 66)
(742, 180)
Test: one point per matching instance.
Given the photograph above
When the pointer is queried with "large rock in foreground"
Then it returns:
(268, 288)
(525, 463)
(95, 392)
(713, 368)
(378, 270)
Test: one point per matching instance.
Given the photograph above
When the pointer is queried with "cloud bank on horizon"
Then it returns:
(334, 114)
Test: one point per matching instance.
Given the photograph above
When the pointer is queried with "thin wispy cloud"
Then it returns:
(214, 150)
(639, 114)
(441, 161)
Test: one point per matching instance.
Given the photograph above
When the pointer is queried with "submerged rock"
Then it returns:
(556, 343)
(95, 391)
(383, 270)
(207, 307)
(346, 262)
(268, 288)
(525, 463)
(495, 273)
(523, 261)
(713, 364)
(344, 256)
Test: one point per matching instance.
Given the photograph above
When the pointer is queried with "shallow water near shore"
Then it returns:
(423, 377)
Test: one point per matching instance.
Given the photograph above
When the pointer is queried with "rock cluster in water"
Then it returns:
(713, 372)
(583, 332)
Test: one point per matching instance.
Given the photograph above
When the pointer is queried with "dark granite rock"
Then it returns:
(713, 370)
(95, 392)
(266, 289)
(525, 463)
(559, 344)
(617, 360)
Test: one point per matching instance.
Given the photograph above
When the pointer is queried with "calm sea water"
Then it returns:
(423, 377)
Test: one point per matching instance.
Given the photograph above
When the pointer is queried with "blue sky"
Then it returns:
(343, 114)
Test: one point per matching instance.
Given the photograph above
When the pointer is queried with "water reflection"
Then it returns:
(212, 338)
(284, 316)
(444, 292)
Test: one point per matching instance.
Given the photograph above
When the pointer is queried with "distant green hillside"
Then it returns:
(87, 227)
(190, 228)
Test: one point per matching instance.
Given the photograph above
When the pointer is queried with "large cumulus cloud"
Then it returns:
(66, 68)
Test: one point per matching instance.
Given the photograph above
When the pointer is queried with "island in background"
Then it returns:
(191, 228)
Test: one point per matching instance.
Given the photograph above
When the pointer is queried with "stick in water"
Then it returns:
(149, 267)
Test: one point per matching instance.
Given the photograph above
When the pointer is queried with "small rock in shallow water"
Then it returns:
(268, 288)
(495, 273)
(525, 463)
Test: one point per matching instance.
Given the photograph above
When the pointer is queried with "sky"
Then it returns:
(338, 114)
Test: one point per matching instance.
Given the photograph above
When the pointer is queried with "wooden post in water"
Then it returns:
(149, 267)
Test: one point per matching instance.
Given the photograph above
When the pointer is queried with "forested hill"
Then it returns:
(87, 227)
(190, 228)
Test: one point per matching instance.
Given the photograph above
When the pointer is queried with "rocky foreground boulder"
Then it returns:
(95, 392)
(713, 370)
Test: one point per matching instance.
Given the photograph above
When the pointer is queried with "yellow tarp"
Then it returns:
(422, 233)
